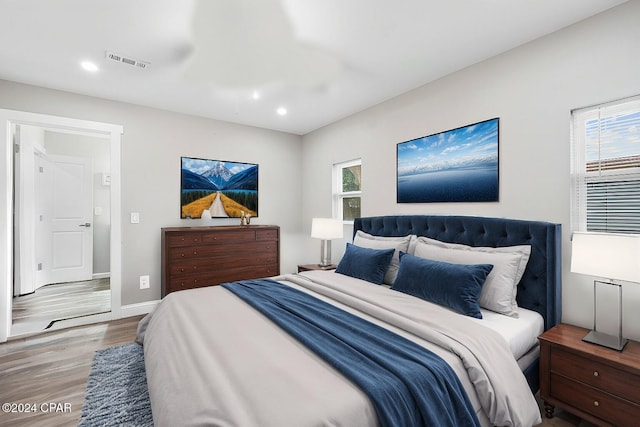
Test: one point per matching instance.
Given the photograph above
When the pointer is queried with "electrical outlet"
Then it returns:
(135, 217)
(144, 282)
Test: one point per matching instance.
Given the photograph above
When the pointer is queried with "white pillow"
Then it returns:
(500, 289)
(523, 250)
(365, 240)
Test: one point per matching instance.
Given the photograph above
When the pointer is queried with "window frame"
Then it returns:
(601, 172)
(338, 194)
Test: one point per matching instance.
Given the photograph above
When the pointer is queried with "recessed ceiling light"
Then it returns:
(255, 95)
(89, 66)
(282, 111)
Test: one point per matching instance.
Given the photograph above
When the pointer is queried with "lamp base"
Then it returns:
(605, 340)
(326, 267)
(325, 253)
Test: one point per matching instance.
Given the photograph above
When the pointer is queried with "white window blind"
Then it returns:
(606, 167)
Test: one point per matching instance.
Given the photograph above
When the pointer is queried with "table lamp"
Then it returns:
(326, 229)
(612, 257)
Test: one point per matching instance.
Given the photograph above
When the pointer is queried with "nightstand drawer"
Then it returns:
(591, 372)
(594, 402)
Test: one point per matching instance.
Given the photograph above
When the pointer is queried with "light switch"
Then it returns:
(135, 217)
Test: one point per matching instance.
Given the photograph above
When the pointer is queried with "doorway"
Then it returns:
(69, 129)
(61, 227)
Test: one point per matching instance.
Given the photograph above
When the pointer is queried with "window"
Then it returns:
(606, 167)
(347, 189)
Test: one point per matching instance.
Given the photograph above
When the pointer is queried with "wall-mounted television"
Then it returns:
(226, 189)
(457, 165)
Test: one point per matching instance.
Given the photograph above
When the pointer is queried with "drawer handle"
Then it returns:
(182, 270)
(596, 403)
(195, 252)
(182, 255)
(195, 267)
(596, 374)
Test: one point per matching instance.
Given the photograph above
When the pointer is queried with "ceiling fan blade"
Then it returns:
(250, 43)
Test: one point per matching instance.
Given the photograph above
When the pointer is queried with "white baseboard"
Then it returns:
(138, 308)
(101, 275)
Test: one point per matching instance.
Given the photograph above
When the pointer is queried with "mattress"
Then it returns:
(520, 333)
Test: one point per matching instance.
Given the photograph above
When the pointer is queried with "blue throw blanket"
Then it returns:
(407, 384)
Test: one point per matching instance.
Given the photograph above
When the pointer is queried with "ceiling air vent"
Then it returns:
(129, 61)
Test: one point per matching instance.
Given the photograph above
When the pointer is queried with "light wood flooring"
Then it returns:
(35, 312)
(54, 367)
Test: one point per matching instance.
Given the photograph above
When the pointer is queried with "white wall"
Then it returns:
(533, 90)
(152, 144)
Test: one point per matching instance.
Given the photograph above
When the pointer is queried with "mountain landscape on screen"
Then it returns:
(224, 189)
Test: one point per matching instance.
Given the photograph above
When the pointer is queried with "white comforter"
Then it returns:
(211, 359)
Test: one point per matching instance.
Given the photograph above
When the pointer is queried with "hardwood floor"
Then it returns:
(53, 367)
(35, 312)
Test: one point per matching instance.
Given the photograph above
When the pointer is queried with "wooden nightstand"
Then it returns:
(597, 384)
(309, 267)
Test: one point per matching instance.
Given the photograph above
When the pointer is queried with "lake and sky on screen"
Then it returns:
(459, 165)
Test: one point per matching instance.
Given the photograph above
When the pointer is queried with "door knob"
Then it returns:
(86, 224)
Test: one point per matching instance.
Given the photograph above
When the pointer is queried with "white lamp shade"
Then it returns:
(326, 228)
(610, 256)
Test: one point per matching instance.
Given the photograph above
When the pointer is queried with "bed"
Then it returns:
(214, 357)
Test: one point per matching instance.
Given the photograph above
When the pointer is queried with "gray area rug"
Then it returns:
(117, 393)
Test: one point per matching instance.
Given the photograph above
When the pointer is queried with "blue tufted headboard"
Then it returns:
(541, 285)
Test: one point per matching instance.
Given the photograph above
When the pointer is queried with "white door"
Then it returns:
(43, 214)
(25, 140)
(71, 219)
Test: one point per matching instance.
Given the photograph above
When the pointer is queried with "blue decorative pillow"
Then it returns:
(456, 286)
(364, 263)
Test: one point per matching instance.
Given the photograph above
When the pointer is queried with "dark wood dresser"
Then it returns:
(193, 257)
(597, 384)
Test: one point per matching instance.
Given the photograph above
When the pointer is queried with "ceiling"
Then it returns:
(321, 60)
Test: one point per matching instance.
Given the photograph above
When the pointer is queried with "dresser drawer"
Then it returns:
(211, 265)
(190, 281)
(231, 250)
(183, 239)
(223, 237)
(594, 401)
(598, 375)
(267, 235)
(217, 277)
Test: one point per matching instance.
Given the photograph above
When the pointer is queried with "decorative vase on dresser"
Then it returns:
(193, 257)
